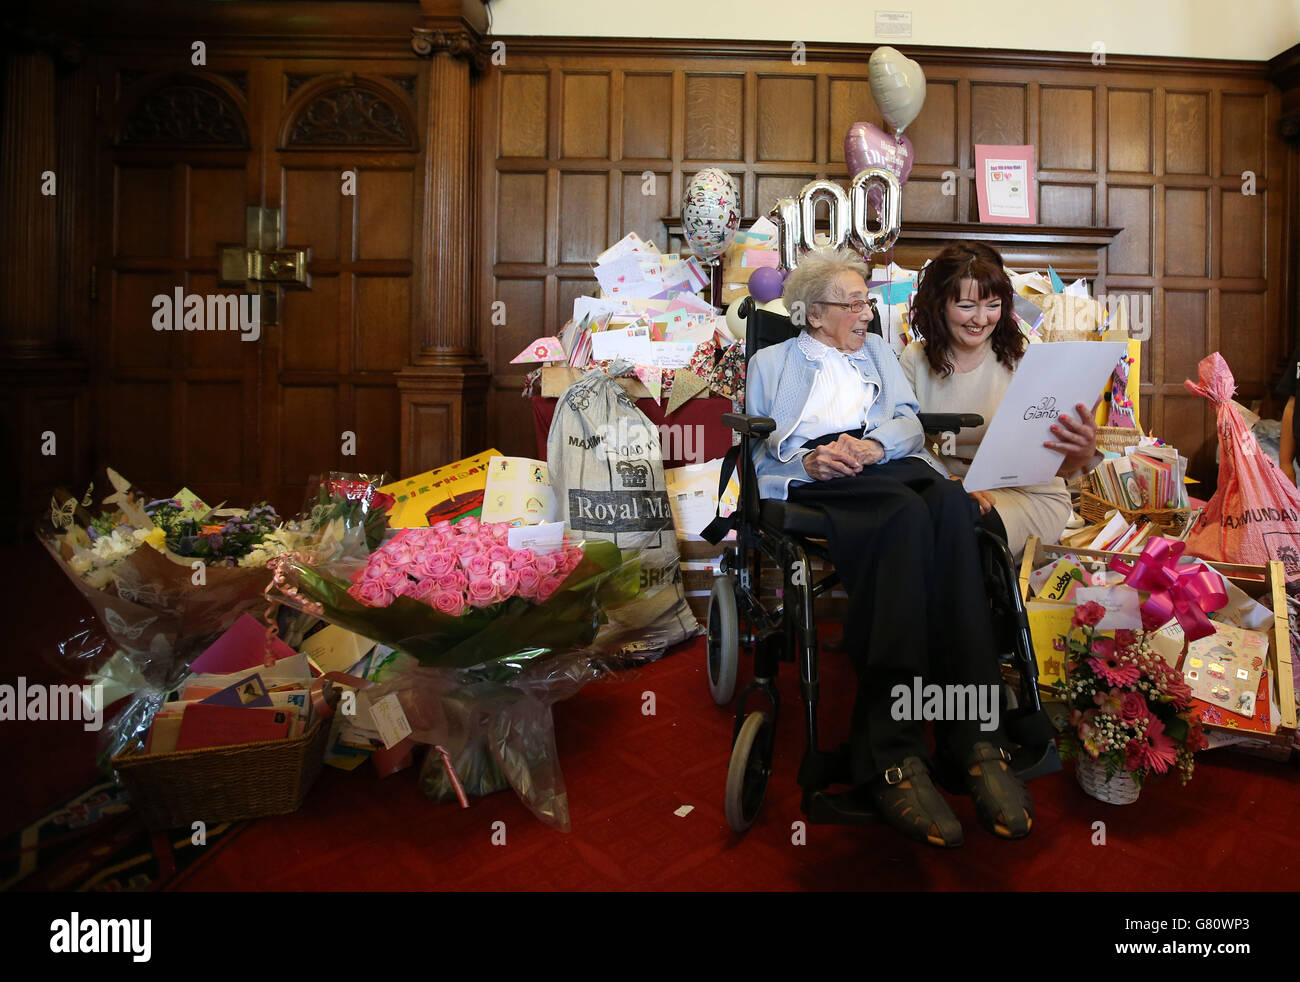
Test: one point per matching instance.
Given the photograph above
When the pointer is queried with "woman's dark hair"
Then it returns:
(940, 282)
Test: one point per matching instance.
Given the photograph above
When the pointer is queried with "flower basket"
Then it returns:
(1119, 789)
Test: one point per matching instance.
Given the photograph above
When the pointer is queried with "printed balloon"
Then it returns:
(710, 212)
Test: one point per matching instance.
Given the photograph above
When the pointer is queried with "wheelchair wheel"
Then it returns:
(751, 764)
(723, 648)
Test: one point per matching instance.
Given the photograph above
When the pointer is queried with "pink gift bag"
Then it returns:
(1254, 516)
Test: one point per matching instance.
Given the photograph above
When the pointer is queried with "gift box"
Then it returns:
(1266, 584)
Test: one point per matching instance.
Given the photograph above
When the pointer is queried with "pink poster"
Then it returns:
(1004, 184)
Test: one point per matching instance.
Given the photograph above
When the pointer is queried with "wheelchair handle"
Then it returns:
(747, 425)
(938, 422)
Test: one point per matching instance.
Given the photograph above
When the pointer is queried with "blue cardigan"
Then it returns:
(780, 379)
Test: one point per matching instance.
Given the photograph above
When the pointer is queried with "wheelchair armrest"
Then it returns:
(939, 422)
(746, 425)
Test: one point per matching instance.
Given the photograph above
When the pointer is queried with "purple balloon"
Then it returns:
(866, 145)
(765, 284)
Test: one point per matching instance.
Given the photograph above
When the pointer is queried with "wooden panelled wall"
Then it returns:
(584, 143)
(241, 418)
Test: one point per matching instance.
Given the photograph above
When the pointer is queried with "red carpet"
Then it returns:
(1235, 827)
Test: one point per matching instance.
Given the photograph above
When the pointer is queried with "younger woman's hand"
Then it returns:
(1076, 438)
(986, 501)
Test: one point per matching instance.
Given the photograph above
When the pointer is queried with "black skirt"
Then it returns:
(903, 541)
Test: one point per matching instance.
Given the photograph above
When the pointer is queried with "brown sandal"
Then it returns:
(1001, 799)
(906, 799)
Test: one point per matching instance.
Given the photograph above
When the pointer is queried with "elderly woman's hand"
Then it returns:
(866, 451)
(829, 461)
(1076, 438)
(842, 457)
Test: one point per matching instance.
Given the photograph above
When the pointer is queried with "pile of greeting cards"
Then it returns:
(237, 693)
(648, 323)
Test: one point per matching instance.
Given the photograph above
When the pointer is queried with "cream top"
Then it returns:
(1040, 509)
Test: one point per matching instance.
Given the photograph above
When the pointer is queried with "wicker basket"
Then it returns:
(1116, 438)
(1121, 789)
(224, 784)
(1168, 521)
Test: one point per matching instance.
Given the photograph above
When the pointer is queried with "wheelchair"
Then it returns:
(786, 535)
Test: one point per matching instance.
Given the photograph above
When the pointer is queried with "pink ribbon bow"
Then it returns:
(1186, 592)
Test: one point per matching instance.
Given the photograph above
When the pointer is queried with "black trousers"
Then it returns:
(903, 541)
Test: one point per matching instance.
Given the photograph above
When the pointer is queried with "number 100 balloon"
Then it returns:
(849, 215)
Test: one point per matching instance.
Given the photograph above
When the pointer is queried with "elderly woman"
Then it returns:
(963, 309)
(903, 542)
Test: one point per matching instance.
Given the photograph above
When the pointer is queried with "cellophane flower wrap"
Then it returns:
(165, 583)
(1129, 708)
(456, 596)
(500, 635)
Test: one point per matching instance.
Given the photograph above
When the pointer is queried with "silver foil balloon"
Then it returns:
(890, 214)
(785, 214)
(809, 195)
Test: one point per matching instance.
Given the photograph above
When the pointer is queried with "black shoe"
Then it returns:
(1001, 799)
(907, 799)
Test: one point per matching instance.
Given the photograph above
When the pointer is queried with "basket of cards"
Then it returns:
(223, 784)
(1167, 521)
(243, 735)
(1143, 480)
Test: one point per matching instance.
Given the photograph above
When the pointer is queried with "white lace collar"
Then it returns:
(814, 350)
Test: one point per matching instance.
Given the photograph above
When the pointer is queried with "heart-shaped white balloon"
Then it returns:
(898, 85)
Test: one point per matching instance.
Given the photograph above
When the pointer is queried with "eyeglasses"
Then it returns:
(854, 305)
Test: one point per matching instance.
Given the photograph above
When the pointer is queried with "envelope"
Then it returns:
(689, 301)
(242, 646)
(671, 354)
(623, 277)
(543, 349)
(630, 344)
(630, 243)
(335, 649)
(760, 257)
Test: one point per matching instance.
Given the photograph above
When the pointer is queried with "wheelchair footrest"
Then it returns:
(852, 807)
(1035, 761)
(1032, 729)
(821, 768)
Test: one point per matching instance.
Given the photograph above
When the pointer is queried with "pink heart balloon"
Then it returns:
(867, 145)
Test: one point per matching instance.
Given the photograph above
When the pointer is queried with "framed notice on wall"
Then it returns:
(1004, 184)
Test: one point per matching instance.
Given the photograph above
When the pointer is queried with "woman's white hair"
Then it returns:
(813, 280)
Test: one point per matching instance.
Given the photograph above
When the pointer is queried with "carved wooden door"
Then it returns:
(236, 413)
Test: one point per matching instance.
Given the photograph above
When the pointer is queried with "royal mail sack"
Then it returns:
(1254, 516)
(608, 476)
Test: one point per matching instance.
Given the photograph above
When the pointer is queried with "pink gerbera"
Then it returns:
(1109, 666)
(1154, 751)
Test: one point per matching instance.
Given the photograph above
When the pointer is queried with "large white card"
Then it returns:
(1051, 380)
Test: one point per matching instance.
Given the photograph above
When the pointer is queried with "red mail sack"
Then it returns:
(1254, 516)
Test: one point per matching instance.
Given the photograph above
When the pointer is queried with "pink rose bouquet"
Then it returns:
(458, 596)
(490, 572)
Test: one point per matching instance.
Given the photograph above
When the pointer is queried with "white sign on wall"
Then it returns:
(893, 23)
